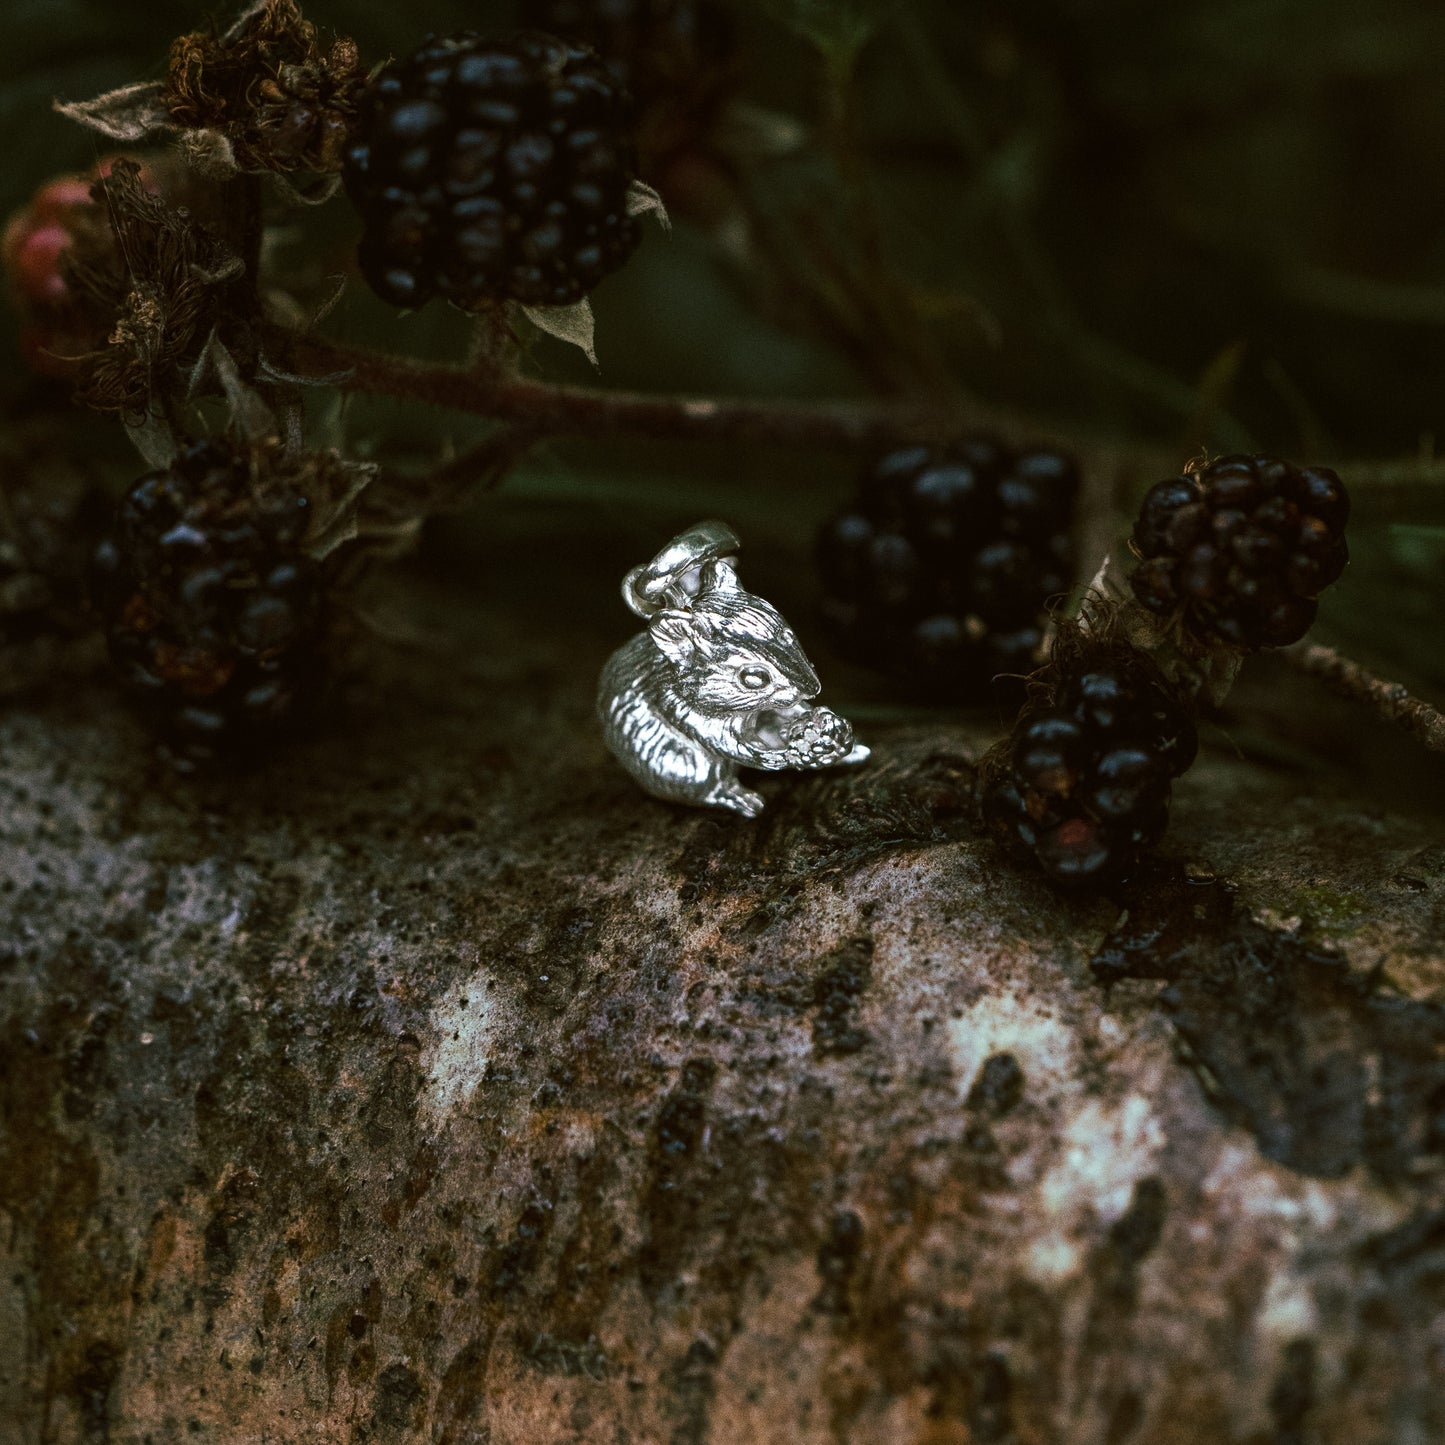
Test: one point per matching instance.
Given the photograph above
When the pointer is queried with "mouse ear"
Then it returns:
(721, 575)
(678, 636)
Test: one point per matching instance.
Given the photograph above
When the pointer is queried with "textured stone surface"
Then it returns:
(434, 1084)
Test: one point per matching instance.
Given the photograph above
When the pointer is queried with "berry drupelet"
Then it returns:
(943, 569)
(211, 608)
(1241, 548)
(1083, 785)
(492, 169)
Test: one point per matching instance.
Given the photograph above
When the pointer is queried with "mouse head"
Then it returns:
(733, 653)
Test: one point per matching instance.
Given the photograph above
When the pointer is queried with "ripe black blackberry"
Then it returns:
(492, 169)
(942, 571)
(212, 610)
(675, 57)
(1241, 549)
(50, 520)
(1082, 783)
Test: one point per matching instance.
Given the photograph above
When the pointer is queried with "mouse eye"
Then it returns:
(754, 677)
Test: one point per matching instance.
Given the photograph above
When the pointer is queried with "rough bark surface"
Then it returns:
(434, 1084)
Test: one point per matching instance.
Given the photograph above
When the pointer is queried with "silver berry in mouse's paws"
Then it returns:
(819, 738)
(717, 682)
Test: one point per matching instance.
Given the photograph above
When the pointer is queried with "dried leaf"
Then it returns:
(573, 324)
(209, 153)
(315, 193)
(129, 114)
(271, 372)
(253, 419)
(243, 21)
(336, 523)
(153, 438)
(330, 302)
(642, 200)
(389, 542)
(230, 268)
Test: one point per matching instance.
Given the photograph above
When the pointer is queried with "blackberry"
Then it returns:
(1082, 784)
(675, 58)
(942, 570)
(51, 515)
(491, 169)
(212, 610)
(1241, 549)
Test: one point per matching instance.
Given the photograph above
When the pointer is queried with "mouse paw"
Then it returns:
(818, 739)
(740, 799)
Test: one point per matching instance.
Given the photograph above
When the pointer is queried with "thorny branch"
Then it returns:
(585, 411)
(1389, 701)
(1117, 470)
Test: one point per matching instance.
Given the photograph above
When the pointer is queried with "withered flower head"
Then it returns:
(160, 284)
(279, 97)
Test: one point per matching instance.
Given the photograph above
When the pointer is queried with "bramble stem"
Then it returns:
(1389, 701)
(582, 411)
(1114, 470)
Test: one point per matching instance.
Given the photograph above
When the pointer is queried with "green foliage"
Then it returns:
(839, 28)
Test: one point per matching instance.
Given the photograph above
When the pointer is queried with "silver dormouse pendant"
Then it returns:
(717, 682)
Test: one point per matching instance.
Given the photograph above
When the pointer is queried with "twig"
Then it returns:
(584, 411)
(861, 424)
(1389, 701)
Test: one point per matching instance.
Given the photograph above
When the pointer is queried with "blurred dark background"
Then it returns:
(1208, 222)
(1113, 195)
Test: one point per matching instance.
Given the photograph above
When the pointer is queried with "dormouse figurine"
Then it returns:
(717, 682)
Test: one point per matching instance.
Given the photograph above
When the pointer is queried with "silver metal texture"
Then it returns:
(717, 682)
